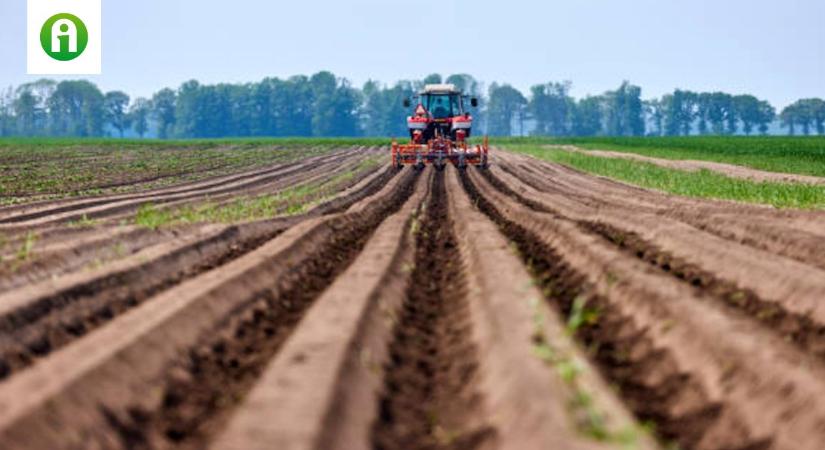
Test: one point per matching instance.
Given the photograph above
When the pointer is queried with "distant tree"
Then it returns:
(804, 114)
(76, 109)
(788, 116)
(188, 110)
(680, 109)
(588, 116)
(292, 106)
(382, 112)
(25, 110)
(325, 105)
(432, 78)
(41, 91)
(335, 106)
(766, 115)
(654, 110)
(345, 105)
(505, 105)
(139, 116)
(375, 109)
(163, 107)
(624, 111)
(748, 109)
(115, 110)
(807, 113)
(817, 109)
(7, 125)
(720, 111)
(704, 101)
(552, 108)
(260, 109)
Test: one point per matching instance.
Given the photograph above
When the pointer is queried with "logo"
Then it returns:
(64, 37)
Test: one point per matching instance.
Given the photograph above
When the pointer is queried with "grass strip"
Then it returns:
(701, 184)
(291, 201)
(786, 154)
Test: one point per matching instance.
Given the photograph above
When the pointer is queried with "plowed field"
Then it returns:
(526, 306)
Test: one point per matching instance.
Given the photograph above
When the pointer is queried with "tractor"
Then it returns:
(439, 129)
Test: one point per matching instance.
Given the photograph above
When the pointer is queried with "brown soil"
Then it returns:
(221, 369)
(524, 306)
(430, 400)
(52, 321)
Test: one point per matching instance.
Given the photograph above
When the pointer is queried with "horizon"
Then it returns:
(739, 51)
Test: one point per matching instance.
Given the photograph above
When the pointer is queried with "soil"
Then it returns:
(527, 305)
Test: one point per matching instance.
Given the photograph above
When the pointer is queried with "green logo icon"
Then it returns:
(64, 37)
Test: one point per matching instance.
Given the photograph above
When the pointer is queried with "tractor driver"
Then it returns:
(439, 107)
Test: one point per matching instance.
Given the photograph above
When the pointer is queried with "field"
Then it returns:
(304, 294)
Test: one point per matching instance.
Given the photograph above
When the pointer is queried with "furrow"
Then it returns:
(226, 322)
(96, 209)
(708, 379)
(794, 326)
(321, 390)
(39, 319)
(60, 258)
(430, 395)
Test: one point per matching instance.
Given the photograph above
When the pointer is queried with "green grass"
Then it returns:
(702, 184)
(800, 155)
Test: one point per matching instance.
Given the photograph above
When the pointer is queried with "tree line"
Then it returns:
(323, 105)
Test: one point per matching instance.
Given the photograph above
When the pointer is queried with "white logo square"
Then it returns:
(64, 37)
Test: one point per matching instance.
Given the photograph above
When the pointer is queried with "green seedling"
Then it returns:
(581, 315)
(24, 253)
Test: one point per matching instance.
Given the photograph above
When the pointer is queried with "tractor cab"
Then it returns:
(441, 111)
(443, 106)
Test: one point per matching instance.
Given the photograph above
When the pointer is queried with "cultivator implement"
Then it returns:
(439, 152)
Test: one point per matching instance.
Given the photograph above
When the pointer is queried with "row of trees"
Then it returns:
(325, 105)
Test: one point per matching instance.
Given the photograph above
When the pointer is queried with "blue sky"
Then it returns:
(773, 49)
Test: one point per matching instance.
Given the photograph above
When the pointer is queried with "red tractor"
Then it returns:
(439, 129)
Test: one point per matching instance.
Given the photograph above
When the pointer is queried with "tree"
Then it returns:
(7, 125)
(382, 112)
(655, 112)
(260, 115)
(552, 108)
(25, 110)
(292, 106)
(76, 109)
(766, 115)
(817, 109)
(807, 113)
(588, 116)
(804, 113)
(335, 106)
(747, 108)
(139, 116)
(163, 108)
(115, 106)
(505, 105)
(680, 109)
(624, 111)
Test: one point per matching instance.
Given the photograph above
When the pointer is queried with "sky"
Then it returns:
(772, 49)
